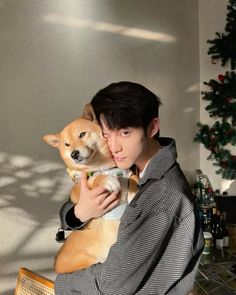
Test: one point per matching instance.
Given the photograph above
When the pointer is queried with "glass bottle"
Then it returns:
(206, 225)
(218, 232)
(213, 226)
(225, 231)
(207, 236)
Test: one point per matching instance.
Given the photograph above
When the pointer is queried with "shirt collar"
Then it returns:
(141, 174)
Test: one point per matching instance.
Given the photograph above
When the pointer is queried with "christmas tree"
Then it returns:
(221, 98)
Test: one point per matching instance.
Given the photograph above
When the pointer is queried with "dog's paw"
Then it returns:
(112, 184)
(109, 182)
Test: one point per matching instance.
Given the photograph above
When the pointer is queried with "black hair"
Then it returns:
(126, 104)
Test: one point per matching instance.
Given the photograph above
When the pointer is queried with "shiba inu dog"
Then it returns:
(83, 148)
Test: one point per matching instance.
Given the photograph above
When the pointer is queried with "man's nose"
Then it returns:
(114, 144)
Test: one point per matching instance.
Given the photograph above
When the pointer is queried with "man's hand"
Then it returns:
(95, 202)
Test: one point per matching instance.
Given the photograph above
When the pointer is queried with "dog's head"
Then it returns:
(81, 144)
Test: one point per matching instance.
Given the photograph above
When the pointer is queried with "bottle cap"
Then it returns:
(207, 235)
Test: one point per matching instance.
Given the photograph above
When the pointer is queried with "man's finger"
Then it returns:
(111, 206)
(83, 180)
(110, 201)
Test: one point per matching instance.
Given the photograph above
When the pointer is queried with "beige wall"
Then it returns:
(55, 54)
(212, 19)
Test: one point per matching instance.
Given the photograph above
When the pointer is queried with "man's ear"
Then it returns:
(153, 127)
(88, 113)
(53, 140)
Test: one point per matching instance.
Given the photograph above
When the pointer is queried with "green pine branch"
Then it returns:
(222, 97)
(223, 47)
(215, 138)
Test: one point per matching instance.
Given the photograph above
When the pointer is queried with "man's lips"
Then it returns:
(118, 158)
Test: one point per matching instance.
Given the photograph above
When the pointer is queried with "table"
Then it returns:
(217, 273)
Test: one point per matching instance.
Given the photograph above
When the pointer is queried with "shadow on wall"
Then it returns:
(31, 193)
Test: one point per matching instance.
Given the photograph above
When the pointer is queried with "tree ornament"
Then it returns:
(221, 78)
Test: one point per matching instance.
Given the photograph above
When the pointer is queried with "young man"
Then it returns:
(159, 240)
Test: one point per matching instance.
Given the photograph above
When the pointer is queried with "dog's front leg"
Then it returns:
(75, 193)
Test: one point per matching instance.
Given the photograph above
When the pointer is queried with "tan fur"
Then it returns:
(83, 248)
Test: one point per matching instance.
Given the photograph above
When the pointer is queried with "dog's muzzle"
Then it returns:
(75, 155)
(79, 158)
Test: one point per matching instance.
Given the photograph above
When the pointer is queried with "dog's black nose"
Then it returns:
(75, 155)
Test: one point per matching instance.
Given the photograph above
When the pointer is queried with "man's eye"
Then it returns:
(125, 132)
(67, 144)
(82, 134)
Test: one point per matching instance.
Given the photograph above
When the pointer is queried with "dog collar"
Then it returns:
(76, 175)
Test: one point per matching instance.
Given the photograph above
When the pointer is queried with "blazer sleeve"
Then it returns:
(68, 219)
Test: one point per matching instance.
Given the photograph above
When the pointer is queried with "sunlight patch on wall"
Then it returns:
(107, 27)
(26, 180)
(188, 110)
(19, 161)
(45, 167)
(6, 180)
(31, 194)
(5, 200)
(193, 88)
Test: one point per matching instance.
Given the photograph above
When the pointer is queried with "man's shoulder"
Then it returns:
(170, 193)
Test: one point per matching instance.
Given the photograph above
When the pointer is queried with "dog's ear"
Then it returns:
(88, 113)
(53, 140)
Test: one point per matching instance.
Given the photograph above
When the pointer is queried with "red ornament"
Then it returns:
(233, 158)
(221, 78)
(229, 132)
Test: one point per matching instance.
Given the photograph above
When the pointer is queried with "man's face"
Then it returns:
(128, 145)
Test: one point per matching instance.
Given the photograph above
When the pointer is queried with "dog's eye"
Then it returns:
(67, 144)
(82, 134)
